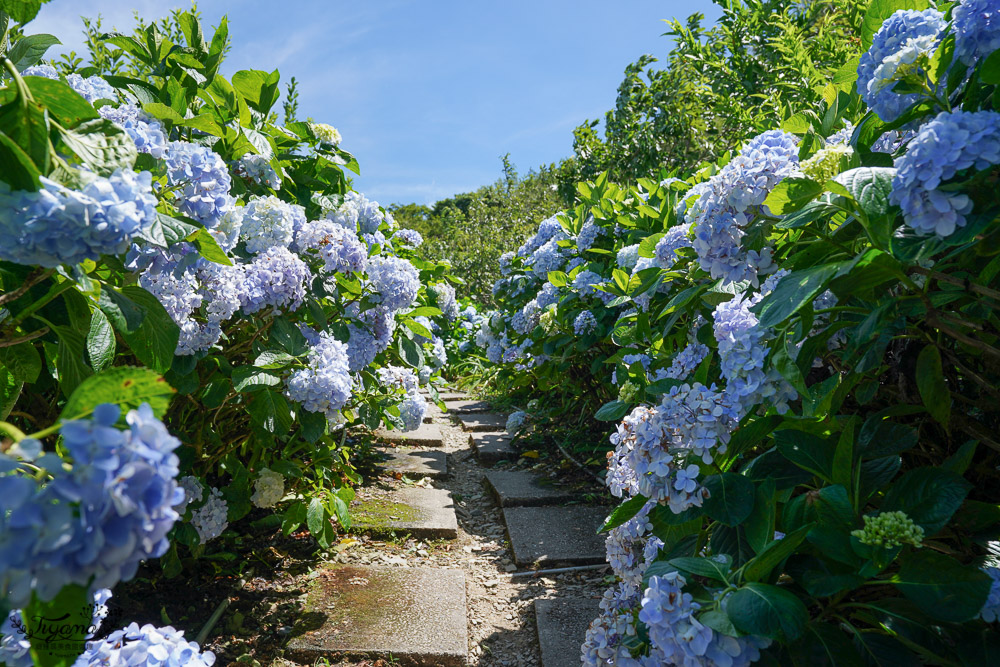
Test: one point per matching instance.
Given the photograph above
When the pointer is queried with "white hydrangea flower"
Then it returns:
(326, 133)
(269, 489)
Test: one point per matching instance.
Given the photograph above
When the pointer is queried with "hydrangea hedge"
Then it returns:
(801, 345)
(195, 309)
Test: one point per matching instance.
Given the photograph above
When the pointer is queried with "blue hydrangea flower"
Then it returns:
(57, 225)
(444, 297)
(91, 525)
(147, 646)
(370, 336)
(258, 169)
(628, 257)
(588, 235)
(952, 142)
(903, 38)
(358, 213)
(408, 237)
(338, 246)
(202, 179)
(673, 240)
(626, 546)
(548, 257)
(269, 221)
(515, 421)
(92, 88)
(546, 230)
(976, 24)
(585, 323)
(604, 643)
(396, 281)
(991, 609)
(147, 132)
(325, 384)
(412, 411)
(276, 277)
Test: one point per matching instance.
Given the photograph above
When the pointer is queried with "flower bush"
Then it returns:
(799, 344)
(195, 309)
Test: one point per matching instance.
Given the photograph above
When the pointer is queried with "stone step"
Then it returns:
(415, 616)
(483, 422)
(562, 624)
(416, 463)
(492, 447)
(518, 488)
(421, 512)
(553, 536)
(467, 407)
(433, 412)
(453, 396)
(428, 435)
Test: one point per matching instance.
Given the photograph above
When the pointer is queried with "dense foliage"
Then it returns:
(195, 309)
(799, 342)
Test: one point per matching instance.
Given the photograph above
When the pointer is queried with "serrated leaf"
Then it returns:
(126, 386)
(29, 50)
(932, 386)
(870, 187)
(714, 567)
(101, 343)
(101, 145)
(731, 498)
(623, 513)
(791, 194)
(942, 587)
(769, 611)
(612, 411)
(208, 247)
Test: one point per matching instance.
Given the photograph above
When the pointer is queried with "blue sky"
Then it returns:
(429, 95)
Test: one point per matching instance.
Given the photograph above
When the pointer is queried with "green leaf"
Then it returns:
(942, 587)
(425, 311)
(161, 111)
(208, 247)
(794, 291)
(288, 336)
(418, 328)
(29, 50)
(929, 496)
(411, 352)
(777, 551)
(931, 385)
(612, 411)
(250, 378)
(154, 341)
(879, 11)
(21, 11)
(759, 526)
(101, 145)
(258, 88)
(731, 498)
(269, 410)
(791, 194)
(293, 517)
(22, 361)
(558, 278)
(787, 366)
(705, 567)
(28, 127)
(807, 451)
(769, 611)
(989, 71)
(63, 103)
(126, 386)
(101, 343)
(316, 516)
(273, 359)
(63, 620)
(623, 513)
(796, 124)
(825, 644)
(870, 187)
(19, 170)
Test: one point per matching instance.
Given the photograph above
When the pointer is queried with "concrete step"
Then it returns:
(416, 463)
(492, 447)
(486, 422)
(556, 536)
(412, 616)
(428, 435)
(467, 407)
(519, 488)
(421, 512)
(562, 624)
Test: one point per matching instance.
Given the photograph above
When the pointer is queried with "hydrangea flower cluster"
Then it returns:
(338, 246)
(905, 38)
(678, 638)
(146, 646)
(412, 411)
(369, 337)
(991, 609)
(57, 225)
(276, 277)
(588, 235)
(976, 24)
(444, 297)
(408, 237)
(604, 643)
(147, 132)
(674, 239)
(91, 88)
(685, 362)
(193, 492)
(212, 518)
(269, 221)
(268, 488)
(328, 134)
(826, 162)
(631, 547)
(202, 181)
(358, 213)
(515, 421)
(730, 201)
(398, 378)
(585, 323)
(889, 529)
(259, 170)
(952, 142)
(628, 257)
(396, 281)
(325, 384)
(547, 229)
(91, 525)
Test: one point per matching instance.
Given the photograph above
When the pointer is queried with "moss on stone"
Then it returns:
(381, 514)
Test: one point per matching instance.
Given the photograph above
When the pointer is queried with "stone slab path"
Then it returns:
(416, 463)
(550, 536)
(562, 624)
(492, 447)
(517, 488)
(428, 435)
(483, 422)
(467, 407)
(417, 511)
(409, 616)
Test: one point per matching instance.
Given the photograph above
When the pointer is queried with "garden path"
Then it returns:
(464, 592)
